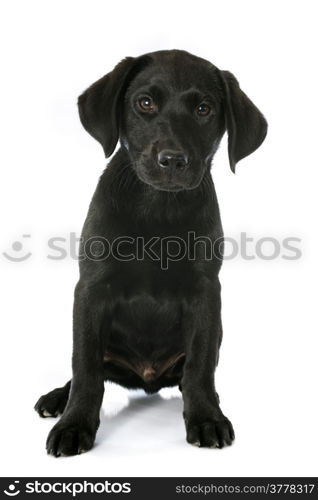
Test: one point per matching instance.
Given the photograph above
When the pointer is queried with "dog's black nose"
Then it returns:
(172, 159)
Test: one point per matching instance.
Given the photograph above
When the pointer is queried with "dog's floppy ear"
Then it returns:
(246, 126)
(99, 106)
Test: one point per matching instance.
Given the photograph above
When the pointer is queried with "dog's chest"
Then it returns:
(146, 336)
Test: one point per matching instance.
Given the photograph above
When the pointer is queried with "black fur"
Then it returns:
(136, 322)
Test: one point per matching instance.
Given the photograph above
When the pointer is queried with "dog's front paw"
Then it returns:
(209, 433)
(67, 439)
(53, 403)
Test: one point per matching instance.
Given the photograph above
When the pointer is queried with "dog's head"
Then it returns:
(170, 110)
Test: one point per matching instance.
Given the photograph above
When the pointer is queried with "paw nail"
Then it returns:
(45, 413)
(196, 443)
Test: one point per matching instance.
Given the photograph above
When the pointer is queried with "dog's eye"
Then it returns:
(203, 109)
(146, 103)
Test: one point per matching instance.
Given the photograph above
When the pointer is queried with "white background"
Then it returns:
(267, 377)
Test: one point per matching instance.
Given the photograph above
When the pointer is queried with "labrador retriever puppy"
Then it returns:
(147, 307)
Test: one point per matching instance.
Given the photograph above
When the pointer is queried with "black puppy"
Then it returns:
(147, 310)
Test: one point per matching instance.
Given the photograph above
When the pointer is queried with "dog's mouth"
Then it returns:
(163, 186)
(163, 180)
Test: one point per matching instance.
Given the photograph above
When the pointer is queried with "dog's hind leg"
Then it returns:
(53, 403)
